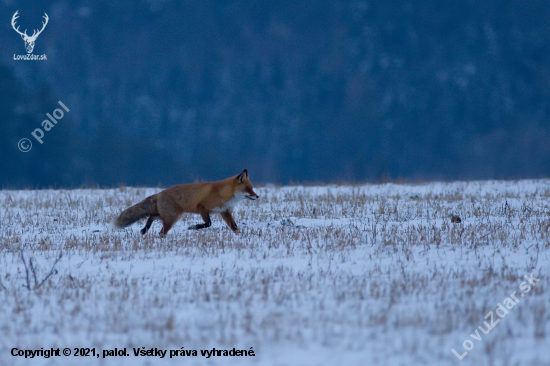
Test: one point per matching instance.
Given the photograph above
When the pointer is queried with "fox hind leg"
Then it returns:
(148, 224)
(167, 223)
(166, 226)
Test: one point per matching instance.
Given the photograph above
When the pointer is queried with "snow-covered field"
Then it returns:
(331, 275)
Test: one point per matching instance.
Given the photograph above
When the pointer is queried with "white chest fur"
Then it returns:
(230, 204)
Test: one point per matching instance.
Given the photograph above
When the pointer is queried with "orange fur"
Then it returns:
(200, 198)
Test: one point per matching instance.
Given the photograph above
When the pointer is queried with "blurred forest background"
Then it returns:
(169, 91)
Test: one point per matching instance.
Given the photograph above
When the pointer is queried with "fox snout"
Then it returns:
(252, 197)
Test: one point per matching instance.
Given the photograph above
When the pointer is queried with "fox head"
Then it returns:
(244, 186)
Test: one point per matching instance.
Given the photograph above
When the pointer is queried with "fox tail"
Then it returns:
(138, 211)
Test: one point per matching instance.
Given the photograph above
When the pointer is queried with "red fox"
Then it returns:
(202, 198)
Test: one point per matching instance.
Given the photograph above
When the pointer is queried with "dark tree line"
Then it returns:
(169, 91)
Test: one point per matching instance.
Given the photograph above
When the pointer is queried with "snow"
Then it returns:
(324, 275)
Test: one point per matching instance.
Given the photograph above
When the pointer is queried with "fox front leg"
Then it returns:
(206, 217)
(228, 218)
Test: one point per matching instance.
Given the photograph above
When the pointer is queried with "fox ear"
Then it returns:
(243, 176)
